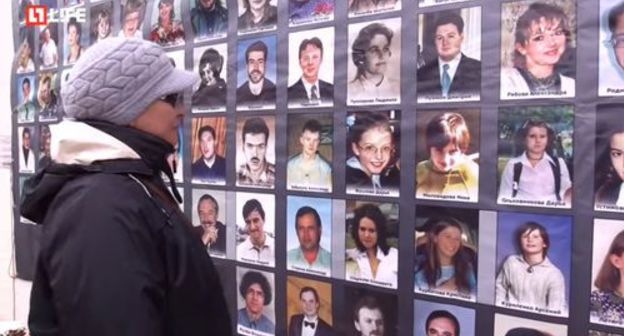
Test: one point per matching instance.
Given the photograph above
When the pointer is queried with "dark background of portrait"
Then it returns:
(387, 301)
(472, 118)
(390, 211)
(324, 290)
(608, 119)
(295, 125)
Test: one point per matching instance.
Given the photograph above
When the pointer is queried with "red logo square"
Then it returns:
(36, 15)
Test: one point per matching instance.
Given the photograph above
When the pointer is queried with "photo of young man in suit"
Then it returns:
(309, 322)
(312, 55)
(451, 74)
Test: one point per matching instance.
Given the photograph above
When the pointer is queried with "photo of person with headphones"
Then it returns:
(535, 149)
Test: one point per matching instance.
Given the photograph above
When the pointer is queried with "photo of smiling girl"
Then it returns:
(538, 49)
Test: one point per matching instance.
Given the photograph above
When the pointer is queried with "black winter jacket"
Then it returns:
(118, 257)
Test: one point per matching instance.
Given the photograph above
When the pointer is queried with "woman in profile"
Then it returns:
(372, 258)
(610, 169)
(443, 261)
(541, 38)
(607, 302)
(167, 31)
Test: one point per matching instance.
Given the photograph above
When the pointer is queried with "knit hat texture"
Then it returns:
(116, 80)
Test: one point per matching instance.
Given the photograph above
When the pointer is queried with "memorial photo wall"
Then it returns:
(376, 167)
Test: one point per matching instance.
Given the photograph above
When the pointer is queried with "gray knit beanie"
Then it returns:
(118, 78)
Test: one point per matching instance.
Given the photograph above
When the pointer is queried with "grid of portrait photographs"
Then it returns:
(376, 167)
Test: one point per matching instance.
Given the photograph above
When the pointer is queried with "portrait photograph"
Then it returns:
(255, 151)
(101, 22)
(45, 141)
(609, 162)
(310, 152)
(76, 40)
(208, 148)
(257, 74)
(25, 51)
(431, 318)
(27, 104)
(255, 228)
(309, 307)
(255, 302)
(257, 16)
(449, 56)
(209, 220)
(373, 153)
(367, 7)
(309, 235)
(48, 48)
(535, 156)
(47, 96)
(209, 19)
(606, 301)
(311, 68)
(538, 49)
(368, 312)
(374, 63)
(429, 3)
(371, 243)
(132, 15)
(446, 243)
(26, 142)
(210, 94)
(506, 325)
(533, 262)
(301, 12)
(21, 180)
(447, 155)
(611, 48)
(166, 28)
(601, 333)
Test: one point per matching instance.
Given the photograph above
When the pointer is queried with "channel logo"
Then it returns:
(40, 16)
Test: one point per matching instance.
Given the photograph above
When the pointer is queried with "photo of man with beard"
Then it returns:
(257, 91)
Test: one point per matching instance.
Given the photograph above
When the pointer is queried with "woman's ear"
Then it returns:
(520, 48)
(616, 260)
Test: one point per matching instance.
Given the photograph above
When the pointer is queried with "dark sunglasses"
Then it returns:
(173, 99)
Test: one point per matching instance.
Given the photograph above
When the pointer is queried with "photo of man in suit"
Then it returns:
(309, 322)
(257, 90)
(441, 322)
(209, 167)
(309, 90)
(211, 231)
(451, 74)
